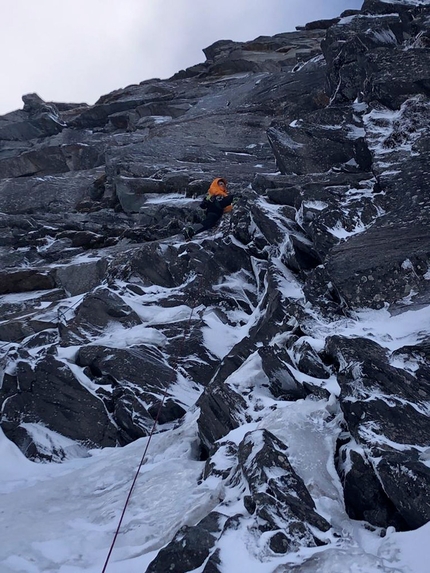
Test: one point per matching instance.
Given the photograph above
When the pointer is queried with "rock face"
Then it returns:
(110, 320)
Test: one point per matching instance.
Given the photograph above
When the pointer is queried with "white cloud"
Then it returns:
(77, 50)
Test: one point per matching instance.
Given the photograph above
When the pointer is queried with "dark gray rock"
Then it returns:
(347, 45)
(133, 379)
(16, 330)
(37, 119)
(190, 547)
(320, 141)
(309, 362)
(140, 365)
(374, 397)
(365, 498)
(50, 396)
(94, 313)
(411, 69)
(282, 382)
(168, 411)
(278, 494)
(195, 359)
(80, 278)
(131, 192)
(130, 415)
(373, 268)
(285, 195)
(51, 160)
(406, 482)
(213, 564)
(25, 280)
(172, 265)
(45, 194)
(221, 410)
(407, 12)
(267, 54)
(321, 24)
(19, 308)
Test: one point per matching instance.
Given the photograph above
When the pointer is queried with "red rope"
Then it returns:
(154, 425)
(134, 481)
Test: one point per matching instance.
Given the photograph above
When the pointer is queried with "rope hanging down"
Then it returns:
(154, 425)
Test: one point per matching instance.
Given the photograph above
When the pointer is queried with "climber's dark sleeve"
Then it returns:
(226, 201)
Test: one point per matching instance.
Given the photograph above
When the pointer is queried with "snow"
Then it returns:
(17, 298)
(382, 123)
(219, 338)
(355, 132)
(168, 198)
(317, 205)
(354, 194)
(341, 233)
(346, 20)
(407, 2)
(61, 518)
(391, 331)
(384, 36)
(117, 336)
(49, 441)
(359, 107)
(287, 141)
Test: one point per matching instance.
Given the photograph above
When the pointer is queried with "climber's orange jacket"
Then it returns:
(218, 188)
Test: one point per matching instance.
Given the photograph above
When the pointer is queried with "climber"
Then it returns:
(217, 202)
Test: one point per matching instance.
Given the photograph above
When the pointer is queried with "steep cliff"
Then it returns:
(309, 302)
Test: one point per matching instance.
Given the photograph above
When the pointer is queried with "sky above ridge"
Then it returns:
(78, 50)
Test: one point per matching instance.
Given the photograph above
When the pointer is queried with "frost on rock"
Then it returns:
(274, 369)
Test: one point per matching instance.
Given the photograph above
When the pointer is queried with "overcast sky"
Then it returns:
(78, 50)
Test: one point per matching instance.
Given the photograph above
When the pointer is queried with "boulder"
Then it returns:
(96, 310)
(221, 410)
(52, 194)
(374, 396)
(278, 497)
(79, 278)
(320, 141)
(190, 547)
(26, 280)
(50, 396)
